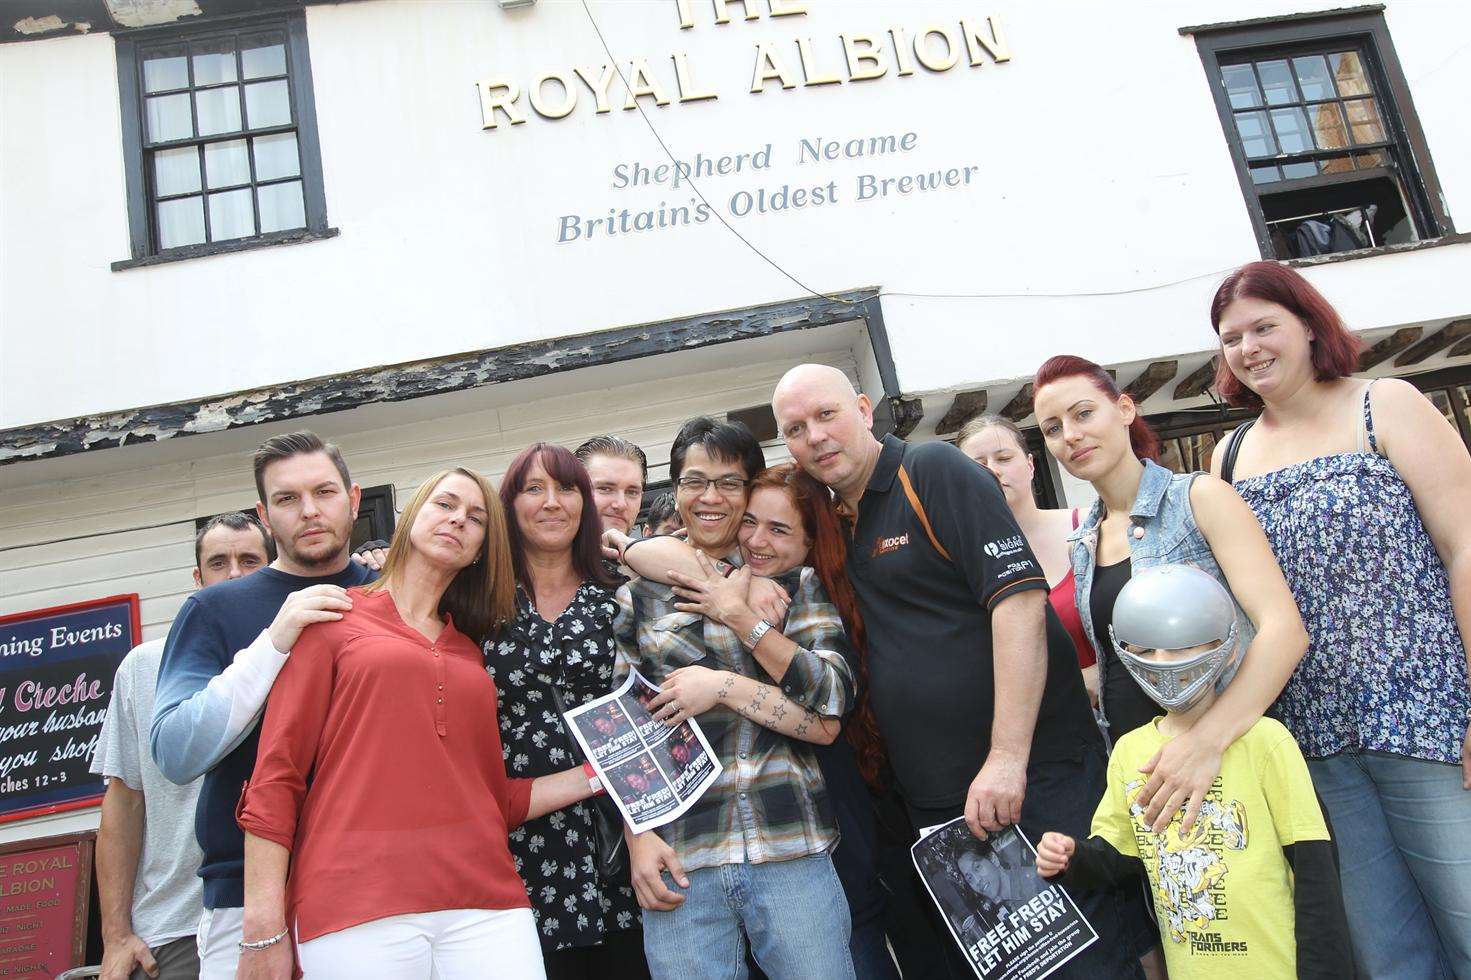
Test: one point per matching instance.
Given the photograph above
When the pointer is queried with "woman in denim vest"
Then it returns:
(1363, 490)
(1145, 515)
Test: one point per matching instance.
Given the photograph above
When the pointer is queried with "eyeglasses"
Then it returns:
(728, 486)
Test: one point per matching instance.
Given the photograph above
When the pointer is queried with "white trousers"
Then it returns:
(456, 944)
(218, 940)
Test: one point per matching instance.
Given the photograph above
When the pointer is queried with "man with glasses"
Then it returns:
(750, 861)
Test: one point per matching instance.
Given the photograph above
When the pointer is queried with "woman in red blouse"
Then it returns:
(998, 445)
(380, 779)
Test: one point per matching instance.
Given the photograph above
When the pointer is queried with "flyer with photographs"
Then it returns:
(1010, 922)
(652, 771)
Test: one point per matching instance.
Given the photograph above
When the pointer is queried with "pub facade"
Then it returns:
(435, 231)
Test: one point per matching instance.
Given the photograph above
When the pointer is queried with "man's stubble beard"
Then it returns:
(310, 561)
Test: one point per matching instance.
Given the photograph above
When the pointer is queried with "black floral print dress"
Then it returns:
(556, 854)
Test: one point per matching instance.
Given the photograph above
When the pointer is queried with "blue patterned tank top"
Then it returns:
(1385, 669)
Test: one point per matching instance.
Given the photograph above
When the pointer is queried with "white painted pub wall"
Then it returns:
(1101, 168)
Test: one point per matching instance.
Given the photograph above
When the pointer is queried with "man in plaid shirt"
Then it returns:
(749, 862)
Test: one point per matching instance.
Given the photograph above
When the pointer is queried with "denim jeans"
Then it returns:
(793, 913)
(1402, 827)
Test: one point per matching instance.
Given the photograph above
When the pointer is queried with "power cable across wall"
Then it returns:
(694, 186)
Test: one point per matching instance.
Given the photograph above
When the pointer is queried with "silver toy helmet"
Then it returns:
(1176, 607)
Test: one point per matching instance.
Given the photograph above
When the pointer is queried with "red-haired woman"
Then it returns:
(556, 654)
(1145, 515)
(790, 533)
(1363, 489)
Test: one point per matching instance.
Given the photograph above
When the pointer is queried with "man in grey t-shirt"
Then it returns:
(147, 856)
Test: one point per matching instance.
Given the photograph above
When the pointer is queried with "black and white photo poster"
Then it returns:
(652, 771)
(1010, 922)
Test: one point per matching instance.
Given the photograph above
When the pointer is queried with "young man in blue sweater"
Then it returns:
(226, 647)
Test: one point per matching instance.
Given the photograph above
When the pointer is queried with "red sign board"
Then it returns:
(44, 888)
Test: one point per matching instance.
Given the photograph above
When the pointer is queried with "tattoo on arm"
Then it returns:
(808, 717)
(753, 710)
(724, 691)
(779, 710)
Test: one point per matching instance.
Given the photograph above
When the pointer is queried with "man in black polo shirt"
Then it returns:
(974, 684)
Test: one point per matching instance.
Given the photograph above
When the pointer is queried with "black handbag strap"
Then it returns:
(1233, 447)
(561, 706)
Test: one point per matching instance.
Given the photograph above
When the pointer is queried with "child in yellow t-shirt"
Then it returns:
(1251, 889)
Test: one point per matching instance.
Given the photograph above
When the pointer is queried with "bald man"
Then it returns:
(973, 682)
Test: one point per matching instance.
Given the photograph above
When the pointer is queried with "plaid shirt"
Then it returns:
(770, 802)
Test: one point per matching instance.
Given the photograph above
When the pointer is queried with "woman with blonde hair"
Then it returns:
(998, 444)
(380, 778)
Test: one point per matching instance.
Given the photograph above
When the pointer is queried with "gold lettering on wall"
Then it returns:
(722, 10)
(975, 42)
(810, 73)
(786, 8)
(601, 87)
(938, 47)
(688, 92)
(926, 53)
(861, 50)
(902, 57)
(549, 109)
(769, 65)
(641, 82)
(499, 93)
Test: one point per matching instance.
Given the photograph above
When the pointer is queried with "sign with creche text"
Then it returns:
(44, 890)
(56, 673)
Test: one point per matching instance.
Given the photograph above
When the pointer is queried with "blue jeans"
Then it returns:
(1402, 827)
(792, 912)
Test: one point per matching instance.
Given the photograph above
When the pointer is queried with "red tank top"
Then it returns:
(1064, 599)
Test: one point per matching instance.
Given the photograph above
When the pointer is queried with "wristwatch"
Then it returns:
(757, 631)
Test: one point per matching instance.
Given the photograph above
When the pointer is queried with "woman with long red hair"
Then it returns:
(1145, 515)
(1363, 489)
(790, 533)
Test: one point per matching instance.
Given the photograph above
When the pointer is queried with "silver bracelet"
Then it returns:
(757, 632)
(263, 943)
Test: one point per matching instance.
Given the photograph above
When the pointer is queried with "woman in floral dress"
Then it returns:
(1363, 490)
(561, 639)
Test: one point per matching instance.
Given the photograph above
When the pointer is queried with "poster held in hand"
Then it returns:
(1009, 921)
(654, 772)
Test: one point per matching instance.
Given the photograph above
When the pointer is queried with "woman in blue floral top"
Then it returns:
(1363, 489)
(561, 638)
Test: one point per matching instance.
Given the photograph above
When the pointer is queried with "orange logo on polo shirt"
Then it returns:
(884, 546)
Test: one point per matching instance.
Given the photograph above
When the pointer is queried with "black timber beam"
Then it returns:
(1389, 346)
(966, 406)
(456, 372)
(1020, 406)
(36, 20)
(1451, 333)
(1152, 379)
(1197, 382)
